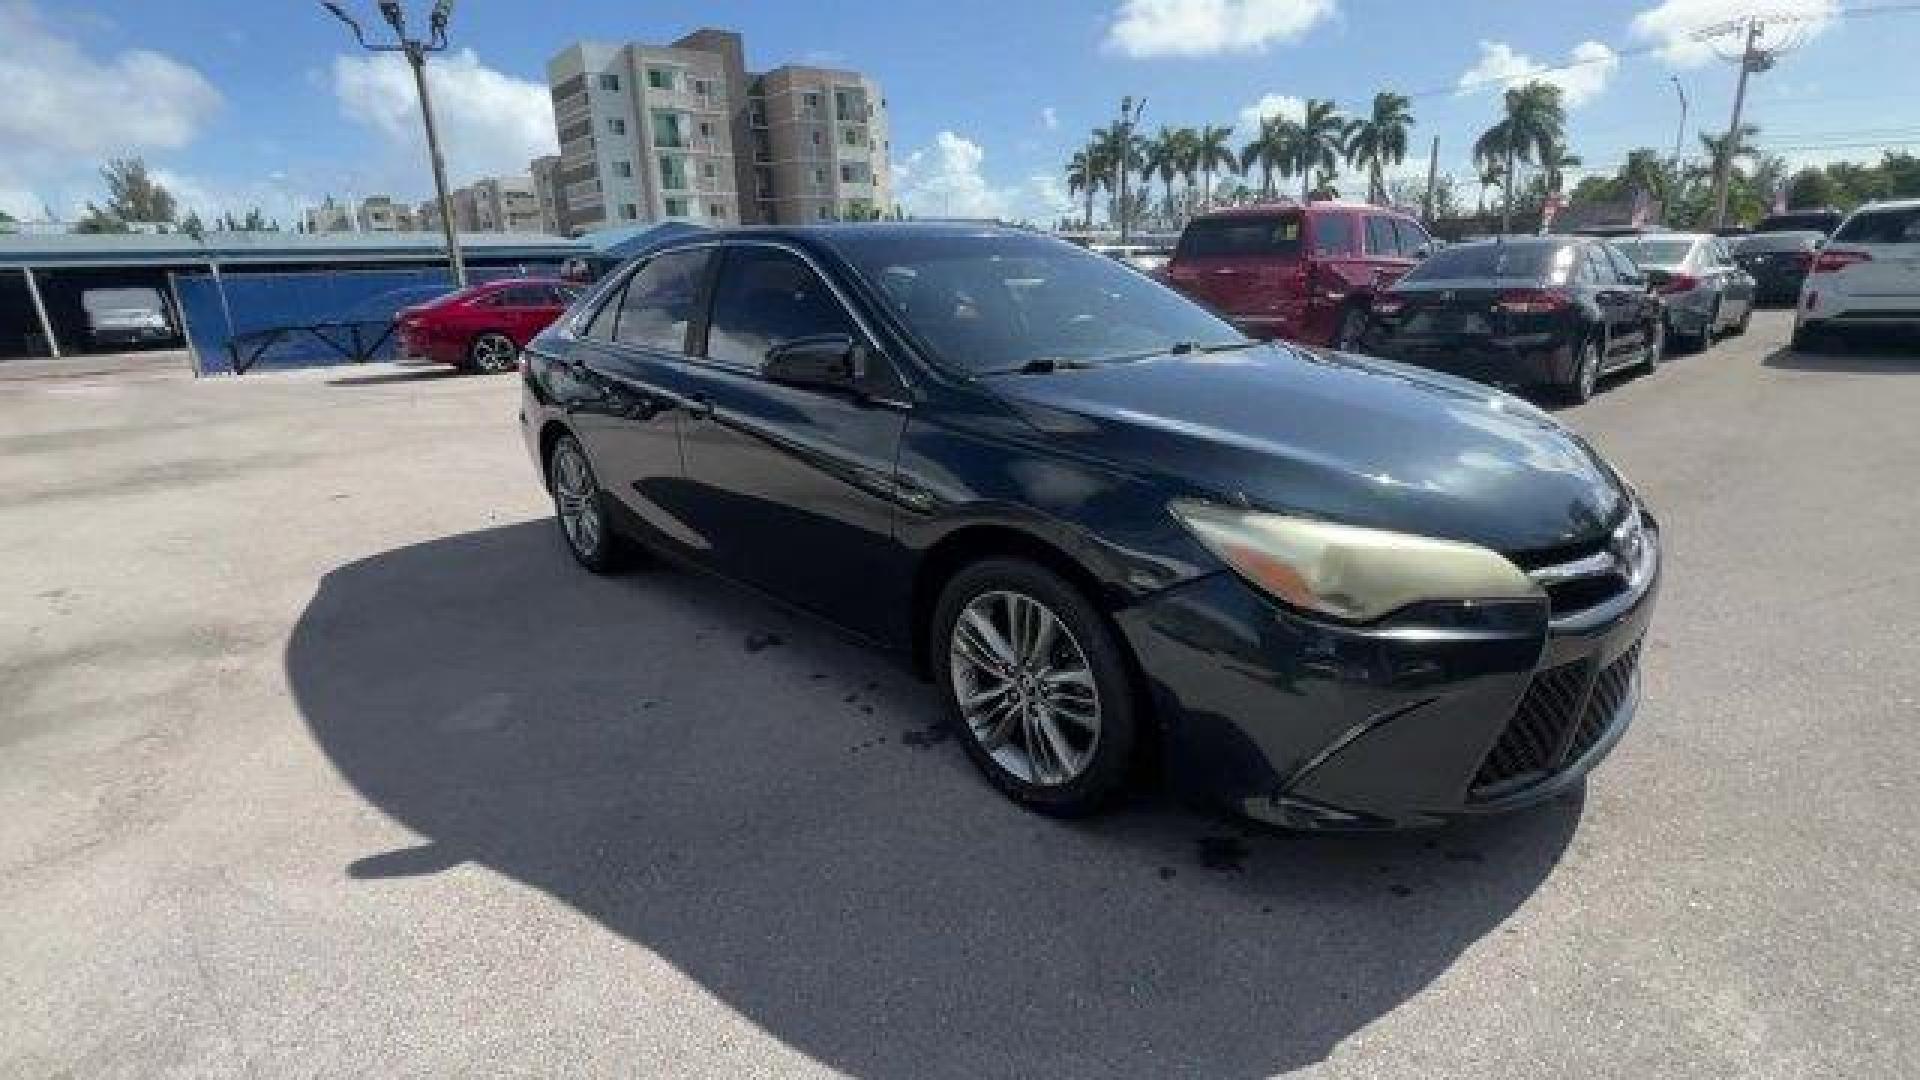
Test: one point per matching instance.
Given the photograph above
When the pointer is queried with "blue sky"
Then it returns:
(242, 102)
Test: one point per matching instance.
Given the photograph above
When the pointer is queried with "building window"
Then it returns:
(676, 208)
(823, 213)
(818, 138)
(673, 172)
(617, 125)
(819, 176)
(716, 212)
(623, 169)
(706, 129)
(707, 170)
(660, 78)
(610, 83)
(628, 211)
(812, 101)
(668, 129)
(702, 87)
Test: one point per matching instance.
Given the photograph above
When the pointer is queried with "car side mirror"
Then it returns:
(818, 362)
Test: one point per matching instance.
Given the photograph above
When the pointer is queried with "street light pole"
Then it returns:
(416, 50)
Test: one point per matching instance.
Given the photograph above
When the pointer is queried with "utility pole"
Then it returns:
(1679, 133)
(416, 50)
(1751, 60)
(1129, 116)
(1433, 177)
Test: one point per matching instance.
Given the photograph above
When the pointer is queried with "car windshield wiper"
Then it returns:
(1041, 365)
(1181, 348)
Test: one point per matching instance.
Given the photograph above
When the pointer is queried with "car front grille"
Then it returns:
(1565, 712)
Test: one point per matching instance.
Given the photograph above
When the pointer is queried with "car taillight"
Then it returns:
(1679, 283)
(1530, 301)
(1830, 261)
(1389, 304)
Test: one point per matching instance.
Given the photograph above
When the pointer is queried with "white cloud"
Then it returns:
(1050, 119)
(1589, 67)
(1203, 27)
(1671, 25)
(64, 110)
(490, 123)
(1270, 105)
(947, 180)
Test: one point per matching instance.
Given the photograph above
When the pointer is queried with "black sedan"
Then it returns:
(1778, 262)
(1325, 591)
(1551, 312)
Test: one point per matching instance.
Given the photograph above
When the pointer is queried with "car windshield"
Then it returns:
(1486, 260)
(1657, 252)
(1240, 235)
(1779, 241)
(993, 302)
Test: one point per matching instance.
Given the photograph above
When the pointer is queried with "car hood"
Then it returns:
(1339, 437)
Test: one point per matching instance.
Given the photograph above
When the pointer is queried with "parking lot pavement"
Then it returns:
(319, 756)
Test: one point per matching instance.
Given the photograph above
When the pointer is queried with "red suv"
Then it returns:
(483, 327)
(1304, 273)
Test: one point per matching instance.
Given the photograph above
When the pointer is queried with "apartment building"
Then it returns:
(378, 213)
(546, 194)
(497, 204)
(686, 133)
(330, 217)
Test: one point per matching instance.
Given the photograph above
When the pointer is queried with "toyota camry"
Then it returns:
(1324, 590)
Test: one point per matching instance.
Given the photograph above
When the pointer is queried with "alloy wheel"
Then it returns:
(1589, 373)
(576, 499)
(494, 353)
(1025, 688)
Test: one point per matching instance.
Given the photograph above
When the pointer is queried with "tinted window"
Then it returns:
(522, 296)
(1227, 236)
(1657, 252)
(1888, 226)
(1624, 268)
(994, 302)
(1821, 221)
(659, 302)
(1777, 241)
(1332, 234)
(1413, 238)
(1599, 270)
(1380, 236)
(1486, 260)
(602, 325)
(766, 296)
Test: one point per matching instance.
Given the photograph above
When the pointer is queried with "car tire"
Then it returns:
(1655, 347)
(579, 508)
(1350, 328)
(1811, 337)
(492, 353)
(1746, 320)
(1051, 674)
(1585, 378)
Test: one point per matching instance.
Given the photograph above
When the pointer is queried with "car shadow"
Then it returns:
(1861, 354)
(775, 810)
(401, 375)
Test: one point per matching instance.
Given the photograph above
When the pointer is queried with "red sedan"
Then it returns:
(483, 327)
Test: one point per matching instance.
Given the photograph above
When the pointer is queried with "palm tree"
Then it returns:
(1319, 141)
(1117, 151)
(1211, 150)
(1272, 150)
(1379, 139)
(1186, 163)
(1645, 172)
(1083, 177)
(1163, 158)
(1532, 122)
(1730, 148)
(1555, 160)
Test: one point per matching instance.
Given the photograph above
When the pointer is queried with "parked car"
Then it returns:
(1553, 312)
(483, 327)
(117, 318)
(1149, 259)
(1823, 221)
(1329, 591)
(1706, 293)
(1777, 262)
(1304, 273)
(1867, 275)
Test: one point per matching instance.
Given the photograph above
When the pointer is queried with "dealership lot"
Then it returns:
(318, 755)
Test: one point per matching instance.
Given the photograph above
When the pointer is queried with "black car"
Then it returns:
(1778, 262)
(1326, 591)
(1823, 221)
(1551, 312)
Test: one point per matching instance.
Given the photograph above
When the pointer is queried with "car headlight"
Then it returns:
(1350, 573)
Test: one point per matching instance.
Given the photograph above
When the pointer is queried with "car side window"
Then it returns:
(1381, 239)
(1332, 234)
(1598, 268)
(601, 327)
(658, 307)
(766, 296)
(1624, 268)
(521, 296)
(1414, 241)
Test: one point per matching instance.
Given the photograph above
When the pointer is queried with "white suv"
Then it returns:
(1866, 275)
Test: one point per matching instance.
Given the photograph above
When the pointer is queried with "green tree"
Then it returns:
(1533, 121)
(1213, 149)
(132, 196)
(1379, 140)
(1271, 150)
(1083, 178)
(1165, 157)
(1319, 142)
(1117, 151)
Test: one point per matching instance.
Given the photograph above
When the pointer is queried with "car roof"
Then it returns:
(1551, 239)
(1259, 209)
(1888, 204)
(1687, 236)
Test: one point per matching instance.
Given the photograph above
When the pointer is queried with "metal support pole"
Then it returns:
(1723, 168)
(40, 309)
(1433, 177)
(418, 59)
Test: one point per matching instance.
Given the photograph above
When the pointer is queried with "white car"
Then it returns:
(1867, 274)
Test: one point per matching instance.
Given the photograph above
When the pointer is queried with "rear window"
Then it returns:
(1820, 221)
(1657, 252)
(1486, 261)
(1892, 225)
(1223, 237)
(1781, 241)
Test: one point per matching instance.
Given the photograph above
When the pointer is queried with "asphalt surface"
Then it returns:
(318, 756)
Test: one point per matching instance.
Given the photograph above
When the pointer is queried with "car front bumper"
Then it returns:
(1308, 725)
